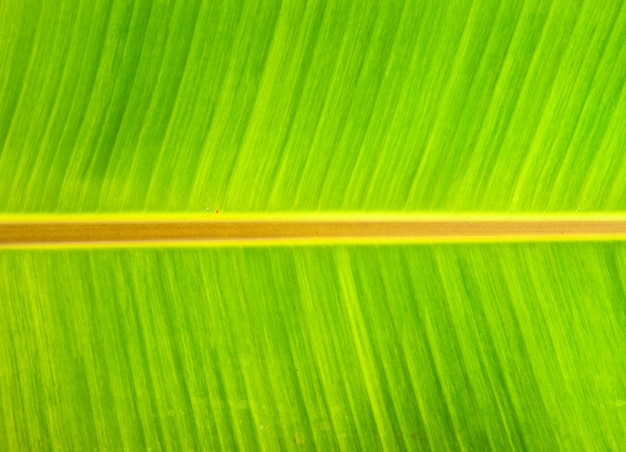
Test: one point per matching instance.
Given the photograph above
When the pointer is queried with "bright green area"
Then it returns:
(443, 347)
(262, 105)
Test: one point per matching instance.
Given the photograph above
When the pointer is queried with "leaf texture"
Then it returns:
(420, 347)
(319, 106)
(268, 106)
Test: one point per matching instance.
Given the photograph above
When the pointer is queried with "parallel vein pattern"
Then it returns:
(423, 347)
(263, 105)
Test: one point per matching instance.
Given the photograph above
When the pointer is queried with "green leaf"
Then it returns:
(182, 107)
(459, 346)
(268, 106)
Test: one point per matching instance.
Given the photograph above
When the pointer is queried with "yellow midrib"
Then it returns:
(92, 230)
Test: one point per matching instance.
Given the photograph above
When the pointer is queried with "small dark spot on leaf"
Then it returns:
(417, 437)
(299, 438)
